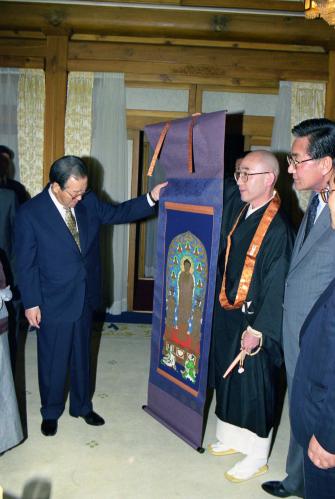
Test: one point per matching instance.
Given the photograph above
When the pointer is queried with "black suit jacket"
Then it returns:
(52, 272)
(313, 394)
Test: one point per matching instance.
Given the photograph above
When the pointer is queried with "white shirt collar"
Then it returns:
(251, 210)
(58, 205)
(320, 207)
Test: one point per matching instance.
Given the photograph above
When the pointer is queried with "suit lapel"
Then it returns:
(56, 222)
(299, 239)
(320, 227)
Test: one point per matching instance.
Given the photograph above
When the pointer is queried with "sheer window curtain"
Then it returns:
(281, 133)
(150, 262)
(281, 145)
(9, 80)
(96, 130)
(112, 178)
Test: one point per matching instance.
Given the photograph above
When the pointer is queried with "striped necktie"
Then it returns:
(72, 226)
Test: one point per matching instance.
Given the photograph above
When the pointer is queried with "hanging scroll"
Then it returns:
(191, 151)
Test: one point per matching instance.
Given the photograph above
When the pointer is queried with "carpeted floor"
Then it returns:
(132, 456)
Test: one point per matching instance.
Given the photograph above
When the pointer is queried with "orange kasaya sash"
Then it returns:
(250, 261)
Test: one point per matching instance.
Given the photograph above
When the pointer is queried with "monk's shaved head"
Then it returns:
(265, 160)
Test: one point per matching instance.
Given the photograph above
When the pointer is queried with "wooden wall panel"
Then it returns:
(258, 125)
(330, 95)
(137, 119)
(11, 61)
(203, 64)
(55, 100)
(22, 47)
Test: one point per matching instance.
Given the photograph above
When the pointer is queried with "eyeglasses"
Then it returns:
(295, 163)
(245, 175)
(325, 193)
(77, 195)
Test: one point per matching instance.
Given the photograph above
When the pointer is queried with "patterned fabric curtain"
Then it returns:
(30, 122)
(78, 117)
(308, 101)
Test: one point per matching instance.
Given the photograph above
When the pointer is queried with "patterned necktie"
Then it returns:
(311, 216)
(72, 226)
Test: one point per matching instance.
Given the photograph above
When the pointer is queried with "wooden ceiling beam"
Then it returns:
(296, 6)
(196, 43)
(249, 86)
(125, 21)
(281, 5)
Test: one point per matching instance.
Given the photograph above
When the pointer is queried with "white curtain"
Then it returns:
(281, 145)
(110, 176)
(150, 262)
(9, 79)
(281, 132)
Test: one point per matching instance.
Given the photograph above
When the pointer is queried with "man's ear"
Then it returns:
(55, 187)
(326, 165)
(271, 179)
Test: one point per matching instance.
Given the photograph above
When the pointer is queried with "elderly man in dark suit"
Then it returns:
(57, 247)
(313, 394)
(313, 398)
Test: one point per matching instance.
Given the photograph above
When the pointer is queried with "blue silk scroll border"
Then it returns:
(184, 398)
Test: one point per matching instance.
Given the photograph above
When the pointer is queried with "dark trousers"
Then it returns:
(319, 484)
(64, 347)
(294, 482)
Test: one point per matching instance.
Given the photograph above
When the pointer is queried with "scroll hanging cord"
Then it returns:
(159, 145)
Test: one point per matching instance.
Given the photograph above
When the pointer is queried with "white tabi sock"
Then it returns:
(255, 459)
(247, 467)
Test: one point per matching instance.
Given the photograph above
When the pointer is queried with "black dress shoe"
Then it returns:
(92, 418)
(276, 488)
(49, 427)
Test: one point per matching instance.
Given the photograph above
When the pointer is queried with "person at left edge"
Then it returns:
(58, 271)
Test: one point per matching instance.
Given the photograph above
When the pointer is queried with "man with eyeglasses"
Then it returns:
(246, 342)
(312, 267)
(58, 267)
